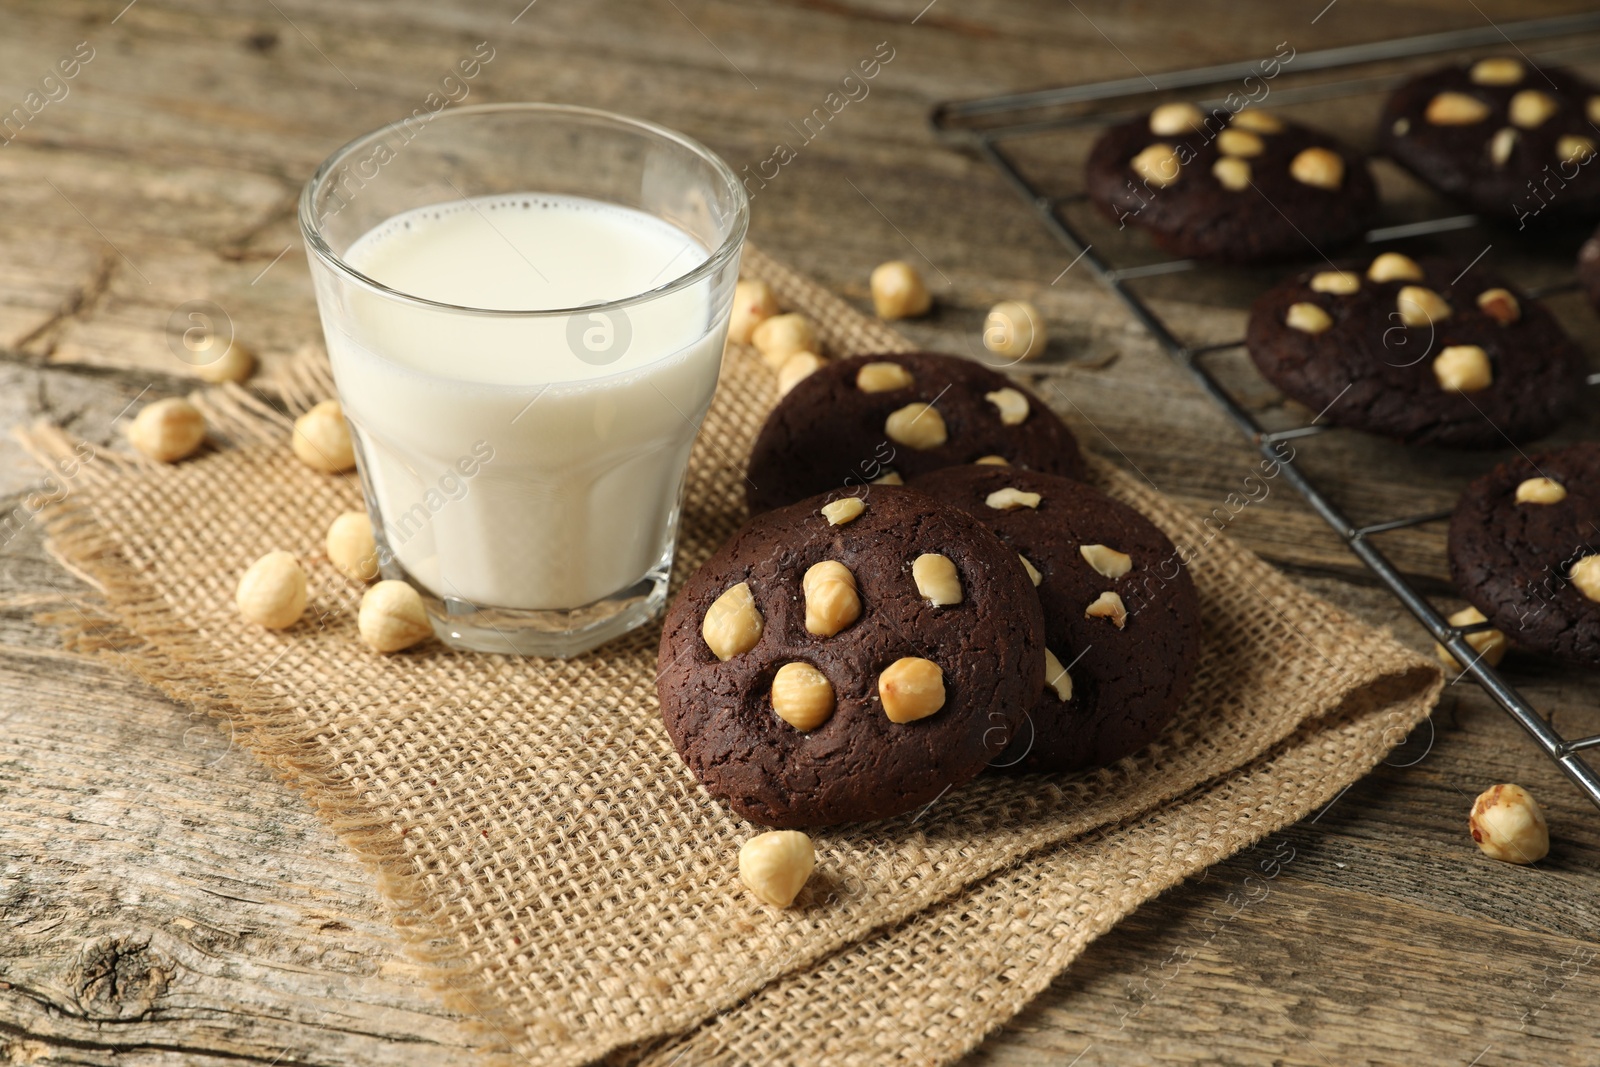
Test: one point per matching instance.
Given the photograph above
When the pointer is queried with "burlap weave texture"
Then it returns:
(540, 842)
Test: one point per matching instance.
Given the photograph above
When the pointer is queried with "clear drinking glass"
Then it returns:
(523, 464)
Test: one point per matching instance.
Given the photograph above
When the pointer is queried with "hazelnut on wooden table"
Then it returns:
(1014, 329)
(898, 291)
(774, 866)
(782, 336)
(234, 365)
(352, 549)
(392, 617)
(272, 592)
(1489, 644)
(1508, 825)
(322, 439)
(168, 430)
(753, 304)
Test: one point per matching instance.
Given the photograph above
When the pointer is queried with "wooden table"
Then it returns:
(164, 900)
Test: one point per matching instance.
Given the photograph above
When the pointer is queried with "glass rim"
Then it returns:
(311, 230)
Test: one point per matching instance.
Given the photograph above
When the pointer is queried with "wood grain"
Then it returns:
(165, 900)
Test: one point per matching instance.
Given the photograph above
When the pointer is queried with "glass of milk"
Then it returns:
(525, 307)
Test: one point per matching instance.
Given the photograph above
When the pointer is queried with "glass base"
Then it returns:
(559, 633)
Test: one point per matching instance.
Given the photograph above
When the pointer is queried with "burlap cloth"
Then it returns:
(541, 845)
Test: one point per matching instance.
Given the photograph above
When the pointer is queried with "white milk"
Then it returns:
(508, 471)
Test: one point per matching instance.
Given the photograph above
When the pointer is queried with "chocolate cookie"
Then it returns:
(1508, 141)
(1589, 268)
(1237, 188)
(865, 419)
(1121, 617)
(1435, 352)
(1525, 550)
(850, 658)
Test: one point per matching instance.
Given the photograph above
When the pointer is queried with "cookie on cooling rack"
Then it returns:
(1434, 352)
(1525, 550)
(1237, 188)
(895, 416)
(850, 658)
(1121, 616)
(1508, 141)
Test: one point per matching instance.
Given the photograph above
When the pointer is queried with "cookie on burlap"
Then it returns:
(1236, 188)
(1483, 363)
(1118, 683)
(1508, 141)
(1525, 550)
(864, 419)
(847, 594)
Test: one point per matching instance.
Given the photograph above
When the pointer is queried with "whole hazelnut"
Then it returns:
(774, 866)
(234, 365)
(1015, 330)
(898, 291)
(168, 430)
(753, 304)
(322, 439)
(272, 592)
(352, 548)
(392, 617)
(1508, 825)
(782, 336)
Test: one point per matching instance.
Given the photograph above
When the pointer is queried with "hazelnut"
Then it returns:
(883, 377)
(1008, 498)
(782, 336)
(1240, 143)
(272, 592)
(1056, 677)
(832, 602)
(937, 579)
(1033, 572)
(1541, 491)
(917, 425)
(1394, 267)
(1502, 144)
(802, 696)
(898, 291)
(1488, 644)
(1463, 369)
(1014, 329)
(1108, 605)
(1320, 167)
(392, 617)
(774, 866)
(992, 461)
(234, 365)
(846, 509)
(1421, 307)
(911, 688)
(795, 369)
(1455, 109)
(322, 439)
(1530, 108)
(732, 624)
(1498, 70)
(351, 547)
(1232, 174)
(1340, 282)
(1500, 306)
(1507, 825)
(1585, 575)
(1011, 404)
(168, 430)
(1574, 149)
(753, 304)
(1307, 318)
(891, 478)
(1257, 121)
(1158, 165)
(1401, 127)
(1171, 120)
(1107, 562)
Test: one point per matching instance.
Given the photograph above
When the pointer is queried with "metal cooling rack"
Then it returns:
(990, 126)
